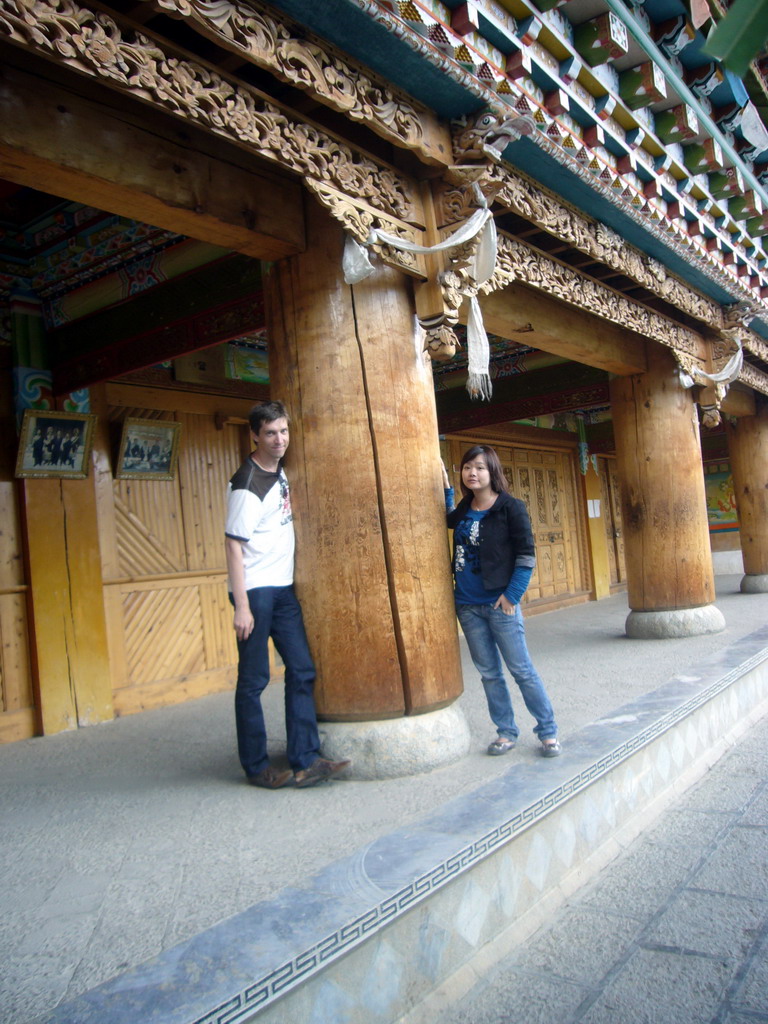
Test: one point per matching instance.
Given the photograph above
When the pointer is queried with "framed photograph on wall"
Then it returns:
(149, 450)
(55, 444)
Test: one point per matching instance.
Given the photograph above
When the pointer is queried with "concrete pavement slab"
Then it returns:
(126, 838)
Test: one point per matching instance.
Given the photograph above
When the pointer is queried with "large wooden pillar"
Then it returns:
(670, 582)
(372, 565)
(748, 448)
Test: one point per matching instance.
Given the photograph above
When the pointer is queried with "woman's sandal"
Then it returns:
(550, 747)
(501, 745)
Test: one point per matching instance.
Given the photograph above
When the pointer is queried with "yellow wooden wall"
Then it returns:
(17, 715)
(169, 620)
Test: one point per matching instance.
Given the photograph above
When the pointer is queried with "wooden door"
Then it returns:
(539, 478)
(611, 502)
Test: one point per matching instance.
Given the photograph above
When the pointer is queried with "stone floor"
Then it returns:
(673, 931)
(121, 840)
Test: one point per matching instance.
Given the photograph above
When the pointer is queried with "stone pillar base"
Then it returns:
(397, 746)
(756, 583)
(678, 623)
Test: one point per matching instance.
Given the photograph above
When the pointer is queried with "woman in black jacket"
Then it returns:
(493, 559)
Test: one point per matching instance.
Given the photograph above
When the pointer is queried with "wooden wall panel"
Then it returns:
(67, 625)
(140, 523)
(208, 458)
(163, 633)
(16, 698)
(177, 643)
(152, 536)
(218, 634)
(17, 714)
(148, 513)
(11, 564)
(164, 692)
(167, 609)
(113, 612)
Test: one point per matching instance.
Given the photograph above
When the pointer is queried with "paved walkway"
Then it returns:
(121, 840)
(675, 930)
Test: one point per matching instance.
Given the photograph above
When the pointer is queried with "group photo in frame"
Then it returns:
(55, 444)
(149, 450)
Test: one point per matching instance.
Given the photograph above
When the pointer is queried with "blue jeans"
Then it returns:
(276, 613)
(492, 635)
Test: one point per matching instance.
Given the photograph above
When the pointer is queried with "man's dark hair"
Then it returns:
(266, 412)
(498, 479)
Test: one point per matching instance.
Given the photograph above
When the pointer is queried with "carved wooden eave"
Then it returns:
(520, 195)
(754, 378)
(261, 36)
(364, 192)
(673, 234)
(515, 192)
(696, 353)
(359, 189)
(756, 345)
(707, 352)
(518, 262)
(562, 138)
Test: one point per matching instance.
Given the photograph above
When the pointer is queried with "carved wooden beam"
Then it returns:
(525, 198)
(522, 196)
(756, 345)
(756, 379)
(266, 38)
(358, 219)
(736, 403)
(120, 56)
(523, 264)
(562, 330)
(167, 182)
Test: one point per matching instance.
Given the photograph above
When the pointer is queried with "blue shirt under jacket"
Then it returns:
(493, 550)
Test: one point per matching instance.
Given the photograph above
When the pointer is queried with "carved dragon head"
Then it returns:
(740, 314)
(486, 135)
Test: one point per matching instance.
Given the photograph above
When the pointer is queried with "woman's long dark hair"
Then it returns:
(498, 480)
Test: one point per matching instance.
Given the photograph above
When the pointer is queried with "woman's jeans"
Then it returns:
(276, 613)
(490, 633)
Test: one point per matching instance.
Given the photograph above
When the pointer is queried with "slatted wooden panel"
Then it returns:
(148, 521)
(218, 635)
(169, 617)
(207, 460)
(174, 614)
(17, 716)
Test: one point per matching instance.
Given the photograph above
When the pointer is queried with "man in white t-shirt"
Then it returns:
(260, 546)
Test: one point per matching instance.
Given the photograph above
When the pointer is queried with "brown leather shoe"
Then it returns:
(270, 778)
(319, 771)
